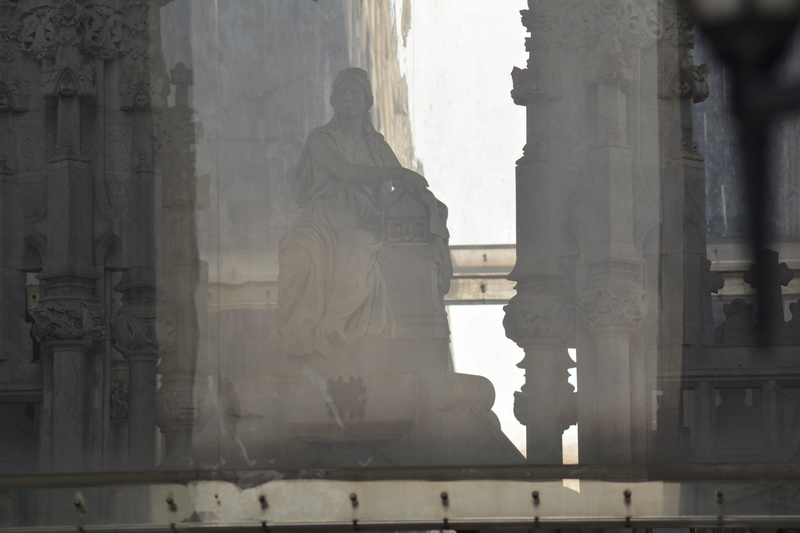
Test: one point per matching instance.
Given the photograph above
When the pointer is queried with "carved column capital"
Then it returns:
(135, 332)
(574, 23)
(61, 320)
(537, 318)
(180, 404)
(175, 409)
(534, 84)
(615, 307)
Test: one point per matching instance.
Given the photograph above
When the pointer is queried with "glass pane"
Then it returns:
(278, 235)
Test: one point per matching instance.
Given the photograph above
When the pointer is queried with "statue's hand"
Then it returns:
(411, 178)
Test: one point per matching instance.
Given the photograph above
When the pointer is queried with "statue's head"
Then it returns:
(351, 94)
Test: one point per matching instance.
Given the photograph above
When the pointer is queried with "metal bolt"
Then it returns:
(627, 494)
(719, 495)
(79, 505)
(535, 495)
(443, 496)
(263, 501)
(171, 504)
(354, 499)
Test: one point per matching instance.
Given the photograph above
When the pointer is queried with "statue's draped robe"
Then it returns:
(331, 287)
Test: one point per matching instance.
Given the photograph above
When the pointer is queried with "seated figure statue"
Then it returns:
(331, 288)
(359, 370)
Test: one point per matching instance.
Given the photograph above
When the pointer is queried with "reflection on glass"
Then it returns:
(219, 250)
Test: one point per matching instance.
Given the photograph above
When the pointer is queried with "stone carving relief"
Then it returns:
(135, 332)
(62, 35)
(118, 146)
(738, 328)
(611, 66)
(31, 146)
(521, 405)
(613, 307)
(777, 273)
(531, 85)
(712, 282)
(575, 23)
(176, 407)
(406, 218)
(68, 320)
(96, 29)
(793, 326)
(567, 405)
(347, 399)
(135, 92)
(686, 81)
(15, 92)
(120, 397)
(532, 318)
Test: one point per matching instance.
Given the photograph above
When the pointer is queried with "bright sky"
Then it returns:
(467, 131)
(468, 134)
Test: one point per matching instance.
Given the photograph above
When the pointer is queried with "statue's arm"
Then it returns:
(411, 178)
(324, 153)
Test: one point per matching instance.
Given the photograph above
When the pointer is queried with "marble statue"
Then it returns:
(331, 288)
(357, 369)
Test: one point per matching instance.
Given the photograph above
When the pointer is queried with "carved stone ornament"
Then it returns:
(67, 320)
(15, 92)
(346, 399)
(135, 332)
(577, 23)
(406, 218)
(712, 282)
(531, 85)
(687, 81)
(96, 29)
(738, 328)
(531, 318)
(566, 404)
(613, 307)
(141, 88)
(120, 395)
(68, 82)
(521, 405)
(176, 408)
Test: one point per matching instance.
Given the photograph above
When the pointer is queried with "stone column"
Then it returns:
(118, 413)
(683, 322)
(590, 217)
(135, 336)
(184, 382)
(540, 317)
(68, 328)
(608, 426)
(75, 48)
(14, 102)
(69, 317)
(142, 91)
(546, 405)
